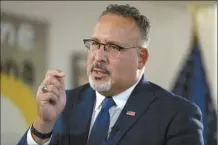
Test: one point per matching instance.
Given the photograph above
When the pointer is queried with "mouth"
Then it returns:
(97, 70)
(99, 73)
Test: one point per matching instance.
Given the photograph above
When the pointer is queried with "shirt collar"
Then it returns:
(119, 99)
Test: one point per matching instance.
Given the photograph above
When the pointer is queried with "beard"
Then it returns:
(102, 86)
(98, 84)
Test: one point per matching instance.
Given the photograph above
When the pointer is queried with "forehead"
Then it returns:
(114, 28)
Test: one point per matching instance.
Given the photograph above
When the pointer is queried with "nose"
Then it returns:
(100, 55)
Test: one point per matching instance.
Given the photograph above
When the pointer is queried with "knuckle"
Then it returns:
(49, 76)
(46, 79)
(53, 80)
(53, 88)
(56, 82)
(48, 72)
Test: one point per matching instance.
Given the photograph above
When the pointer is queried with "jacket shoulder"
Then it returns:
(174, 101)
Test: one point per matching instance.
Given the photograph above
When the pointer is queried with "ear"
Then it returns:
(143, 57)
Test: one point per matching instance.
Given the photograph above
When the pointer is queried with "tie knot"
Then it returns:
(108, 103)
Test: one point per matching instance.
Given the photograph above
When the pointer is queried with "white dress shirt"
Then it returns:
(114, 111)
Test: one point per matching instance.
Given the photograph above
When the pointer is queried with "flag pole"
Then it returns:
(195, 10)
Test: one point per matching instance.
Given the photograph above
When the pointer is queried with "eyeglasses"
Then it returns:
(112, 50)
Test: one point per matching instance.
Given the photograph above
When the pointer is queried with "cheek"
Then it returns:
(119, 68)
(125, 67)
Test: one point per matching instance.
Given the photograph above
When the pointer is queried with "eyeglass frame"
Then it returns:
(120, 48)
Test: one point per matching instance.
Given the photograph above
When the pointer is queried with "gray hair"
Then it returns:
(131, 12)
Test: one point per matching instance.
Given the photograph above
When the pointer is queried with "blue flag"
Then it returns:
(192, 84)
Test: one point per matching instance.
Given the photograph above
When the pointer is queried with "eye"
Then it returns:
(113, 47)
(94, 43)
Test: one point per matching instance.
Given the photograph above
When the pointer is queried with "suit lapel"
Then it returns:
(137, 104)
(81, 117)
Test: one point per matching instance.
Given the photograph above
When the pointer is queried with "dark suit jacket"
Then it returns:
(161, 118)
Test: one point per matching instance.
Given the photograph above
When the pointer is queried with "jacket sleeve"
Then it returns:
(58, 133)
(23, 140)
(186, 126)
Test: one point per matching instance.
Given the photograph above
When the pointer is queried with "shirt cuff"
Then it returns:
(30, 140)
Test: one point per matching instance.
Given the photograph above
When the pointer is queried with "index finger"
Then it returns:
(57, 72)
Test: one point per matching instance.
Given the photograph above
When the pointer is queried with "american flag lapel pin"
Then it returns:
(130, 113)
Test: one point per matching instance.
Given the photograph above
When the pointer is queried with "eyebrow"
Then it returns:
(110, 42)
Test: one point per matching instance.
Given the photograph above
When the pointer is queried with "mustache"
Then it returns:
(100, 66)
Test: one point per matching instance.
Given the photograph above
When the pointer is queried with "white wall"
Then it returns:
(70, 22)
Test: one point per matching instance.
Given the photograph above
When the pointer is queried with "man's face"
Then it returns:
(114, 74)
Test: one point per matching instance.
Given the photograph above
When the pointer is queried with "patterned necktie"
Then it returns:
(100, 128)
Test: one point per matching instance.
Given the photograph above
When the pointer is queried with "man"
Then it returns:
(118, 106)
